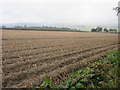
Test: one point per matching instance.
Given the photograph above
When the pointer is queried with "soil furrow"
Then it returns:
(33, 52)
(60, 74)
(39, 55)
(6, 50)
(38, 71)
(49, 59)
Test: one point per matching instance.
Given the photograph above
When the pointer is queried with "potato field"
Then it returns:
(28, 56)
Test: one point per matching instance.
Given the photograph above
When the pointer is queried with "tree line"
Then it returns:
(99, 29)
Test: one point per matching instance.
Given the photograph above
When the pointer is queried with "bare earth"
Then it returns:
(28, 56)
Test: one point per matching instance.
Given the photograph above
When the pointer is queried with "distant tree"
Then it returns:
(99, 29)
(93, 30)
(110, 30)
(113, 30)
(105, 30)
(3, 27)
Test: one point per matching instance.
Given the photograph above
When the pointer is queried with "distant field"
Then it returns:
(28, 56)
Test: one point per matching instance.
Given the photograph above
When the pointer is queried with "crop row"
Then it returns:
(37, 68)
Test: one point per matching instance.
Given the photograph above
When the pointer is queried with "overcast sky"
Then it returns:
(83, 12)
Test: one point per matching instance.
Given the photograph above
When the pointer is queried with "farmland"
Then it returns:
(28, 56)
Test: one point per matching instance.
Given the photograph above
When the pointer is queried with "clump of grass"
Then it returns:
(101, 74)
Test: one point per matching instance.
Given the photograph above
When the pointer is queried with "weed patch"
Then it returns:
(101, 74)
